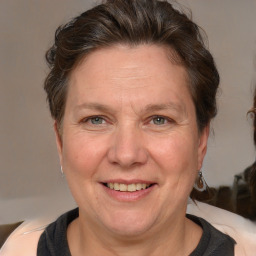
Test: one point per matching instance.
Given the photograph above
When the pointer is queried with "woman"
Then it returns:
(132, 91)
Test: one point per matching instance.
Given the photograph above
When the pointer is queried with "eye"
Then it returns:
(159, 120)
(94, 120)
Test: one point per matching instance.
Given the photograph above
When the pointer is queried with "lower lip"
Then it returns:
(128, 196)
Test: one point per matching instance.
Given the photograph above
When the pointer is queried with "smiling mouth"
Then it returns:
(127, 187)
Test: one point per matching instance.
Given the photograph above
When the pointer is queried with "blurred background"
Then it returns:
(30, 180)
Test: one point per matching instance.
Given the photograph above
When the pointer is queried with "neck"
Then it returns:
(179, 236)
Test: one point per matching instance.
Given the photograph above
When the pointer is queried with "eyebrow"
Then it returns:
(94, 106)
(169, 105)
(149, 108)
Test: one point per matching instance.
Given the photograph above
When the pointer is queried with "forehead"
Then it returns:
(125, 72)
(130, 60)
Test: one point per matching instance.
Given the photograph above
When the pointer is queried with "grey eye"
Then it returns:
(97, 120)
(159, 120)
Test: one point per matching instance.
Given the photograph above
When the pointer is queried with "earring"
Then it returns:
(200, 183)
(62, 173)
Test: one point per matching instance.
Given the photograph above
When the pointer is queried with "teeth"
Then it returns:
(130, 188)
(123, 187)
(138, 186)
(116, 186)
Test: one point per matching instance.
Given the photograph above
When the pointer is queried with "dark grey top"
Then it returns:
(53, 241)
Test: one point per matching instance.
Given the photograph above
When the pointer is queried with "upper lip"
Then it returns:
(130, 181)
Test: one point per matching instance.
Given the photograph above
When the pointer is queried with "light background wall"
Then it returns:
(30, 180)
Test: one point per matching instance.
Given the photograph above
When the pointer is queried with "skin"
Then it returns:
(129, 115)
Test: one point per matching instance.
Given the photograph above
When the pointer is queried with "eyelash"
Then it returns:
(90, 118)
(165, 119)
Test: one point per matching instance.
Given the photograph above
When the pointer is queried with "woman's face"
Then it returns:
(130, 147)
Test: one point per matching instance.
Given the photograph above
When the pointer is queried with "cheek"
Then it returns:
(82, 154)
(176, 157)
(175, 153)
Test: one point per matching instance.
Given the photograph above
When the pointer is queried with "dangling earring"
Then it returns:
(200, 183)
(62, 173)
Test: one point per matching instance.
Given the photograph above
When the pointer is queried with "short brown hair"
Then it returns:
(133, 22)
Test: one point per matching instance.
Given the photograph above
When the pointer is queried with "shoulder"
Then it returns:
(24, 239)
(212, 242)
(242, 230)
(53, 240)
(209, 230)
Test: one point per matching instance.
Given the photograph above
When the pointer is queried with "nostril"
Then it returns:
(127, 147)
(127, 157)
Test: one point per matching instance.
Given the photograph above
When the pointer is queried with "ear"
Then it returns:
(58, 141)
(202, 145)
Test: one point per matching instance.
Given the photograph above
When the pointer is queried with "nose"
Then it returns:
(127, 148)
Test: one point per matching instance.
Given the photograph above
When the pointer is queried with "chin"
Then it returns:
(130, 224)
(131, 230)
